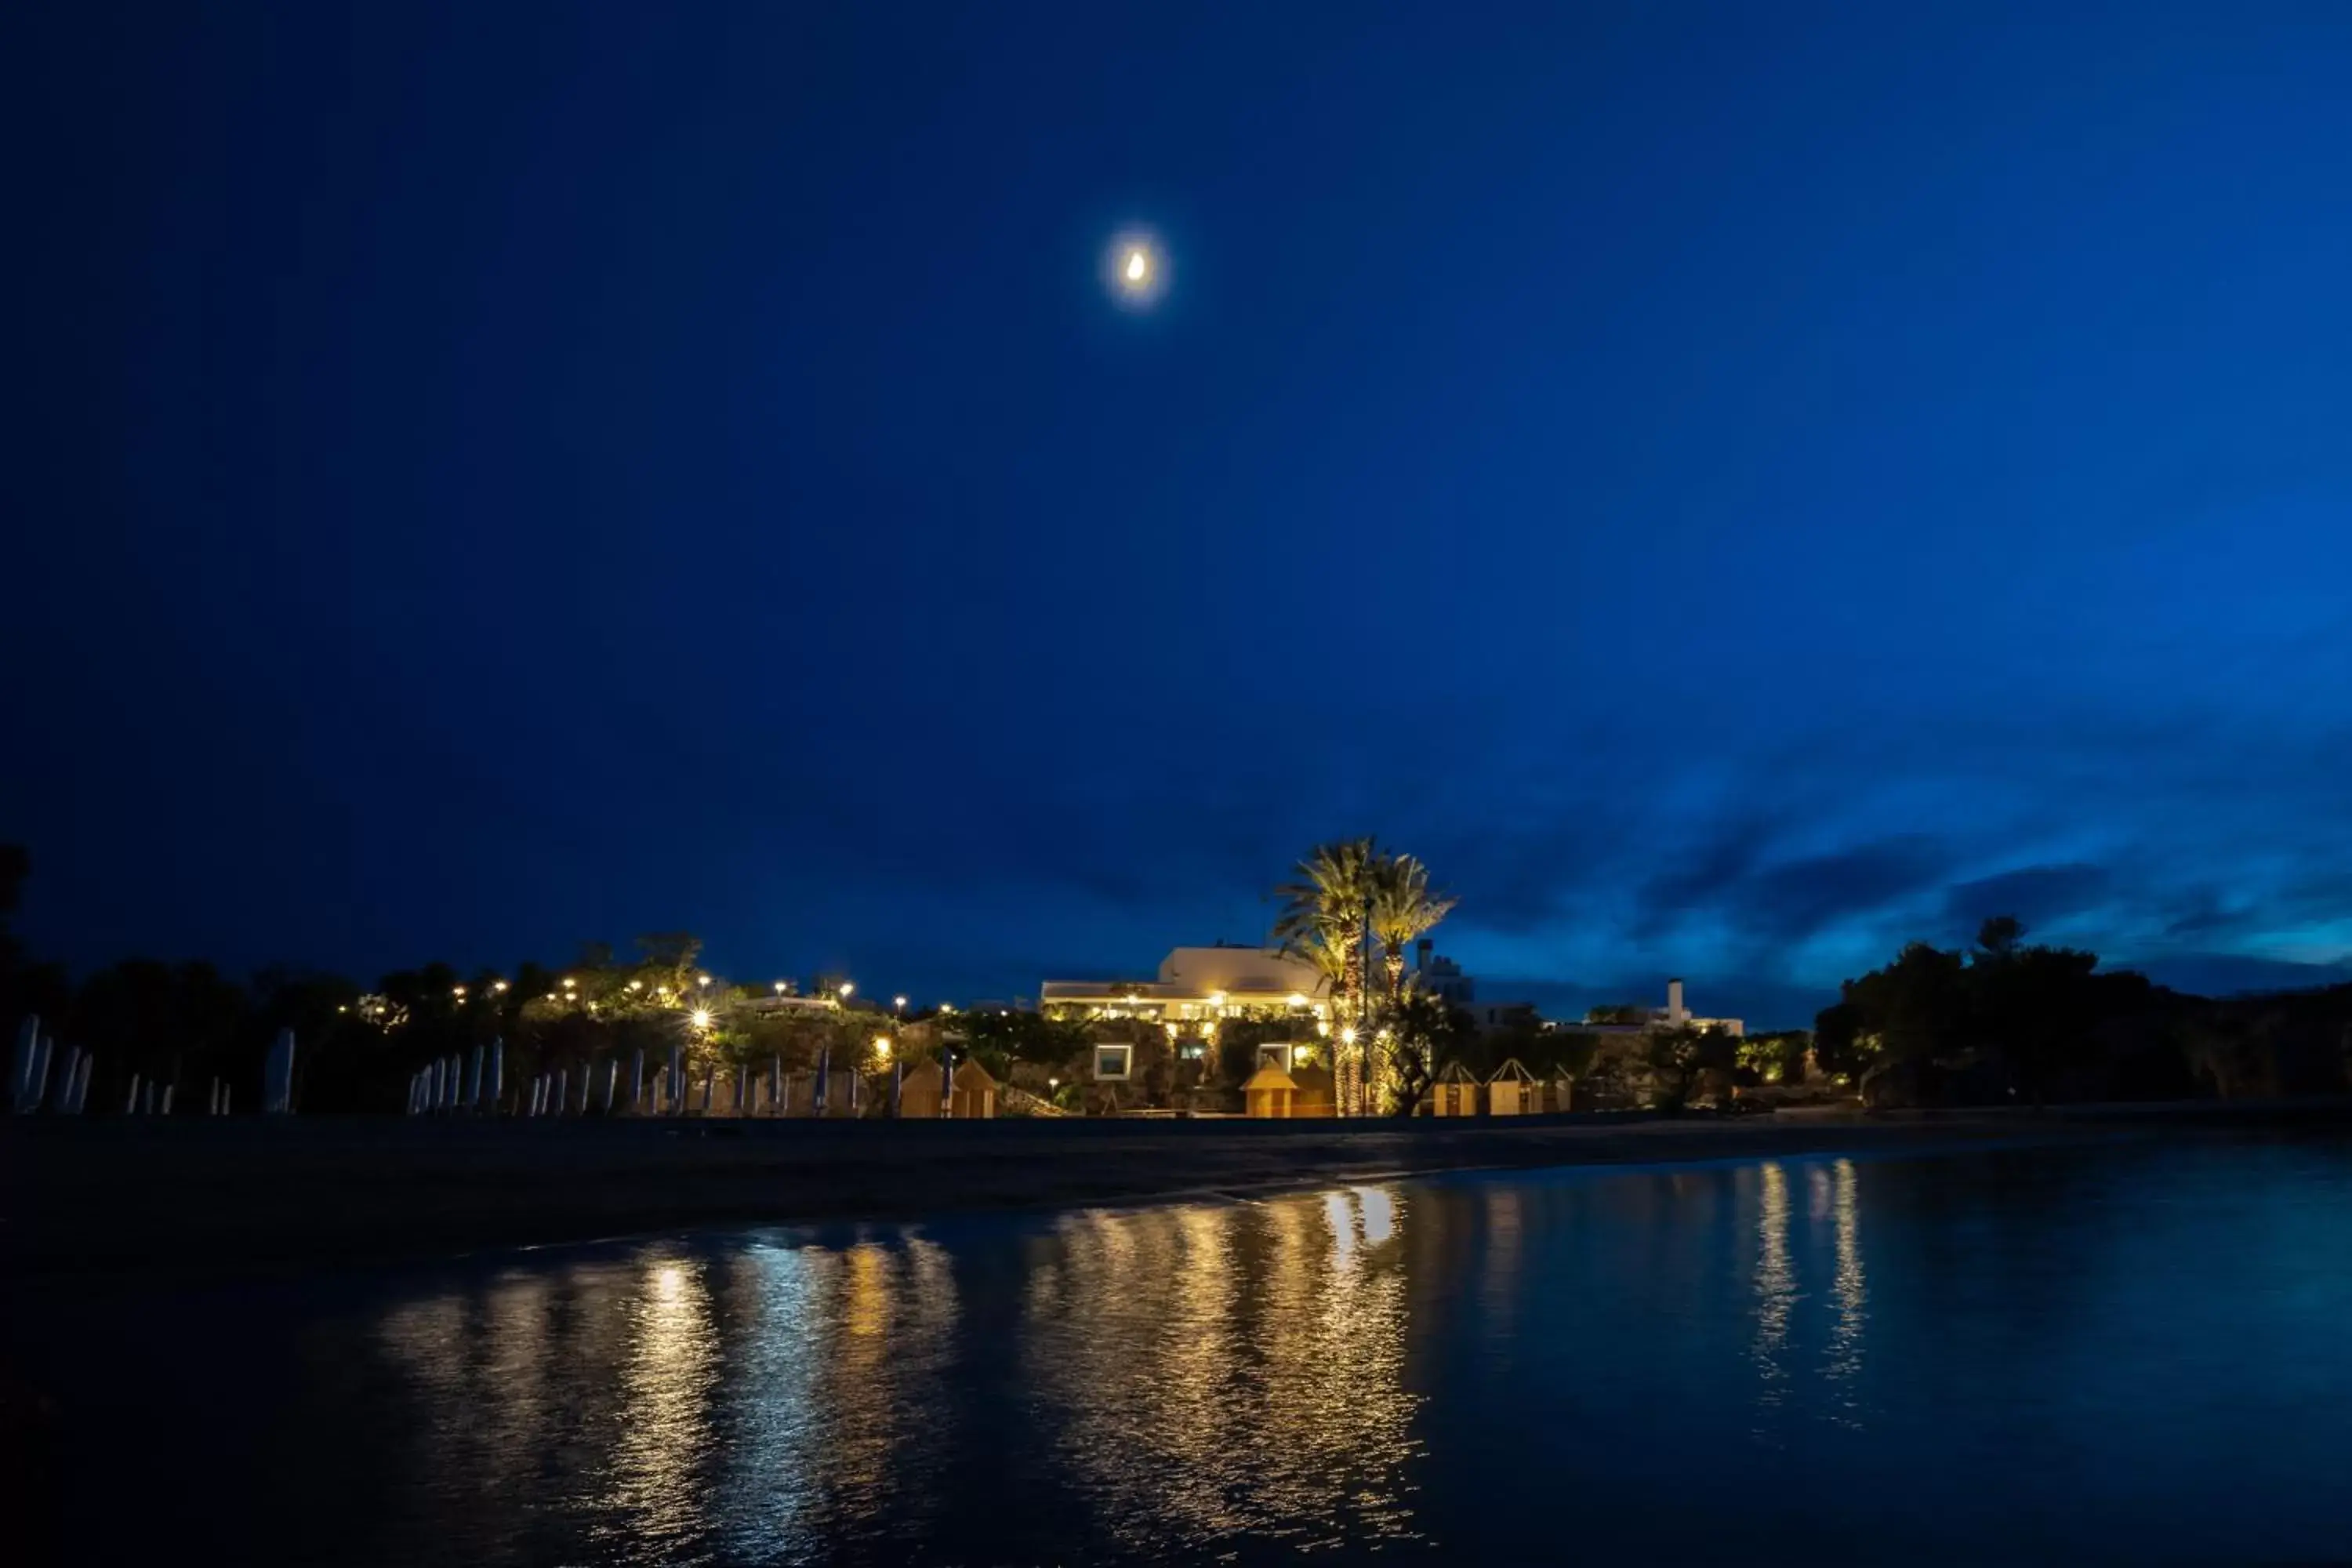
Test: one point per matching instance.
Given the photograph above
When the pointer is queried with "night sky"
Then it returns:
(1733, 489)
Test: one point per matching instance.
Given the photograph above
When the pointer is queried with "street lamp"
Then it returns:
(882, 1047)
(701, 1018)
(846, 988)
(898, 1003)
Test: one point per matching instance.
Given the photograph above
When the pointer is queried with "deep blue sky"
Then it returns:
(1734, 488)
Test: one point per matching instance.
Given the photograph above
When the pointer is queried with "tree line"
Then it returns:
(2008, 1022)
(188, 1023)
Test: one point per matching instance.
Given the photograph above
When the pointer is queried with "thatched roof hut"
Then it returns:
(1513, 1091)
(1456, 1092)
(1269, 1093)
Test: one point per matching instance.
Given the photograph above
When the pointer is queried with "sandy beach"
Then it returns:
(201, 1196)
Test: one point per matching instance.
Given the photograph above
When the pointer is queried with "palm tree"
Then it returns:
(1322, 913)
(1402, 908)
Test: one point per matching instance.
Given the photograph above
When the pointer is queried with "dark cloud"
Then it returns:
(1798, 898)
(2204, 913)
(1515, 875)
(2036, 895)
(1720, 864)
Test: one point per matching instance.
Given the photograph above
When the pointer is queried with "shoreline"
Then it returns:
(203, 1198)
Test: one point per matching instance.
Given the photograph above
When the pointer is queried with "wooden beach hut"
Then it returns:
(974, 1092)
(1269, 1093)
(1513, 1091)
(1456, 1092)
(919, 1094)
(1317, 1094)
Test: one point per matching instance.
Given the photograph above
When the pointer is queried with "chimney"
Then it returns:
(1676, 1014)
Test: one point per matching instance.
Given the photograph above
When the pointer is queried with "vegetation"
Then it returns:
(187, 1024)
(2008, 1022)
(1342, 896)
(997, 1039)
(1325, 908)
(2004, 1021)
(1403, 907)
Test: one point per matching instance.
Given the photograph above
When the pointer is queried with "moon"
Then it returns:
(1135, 269)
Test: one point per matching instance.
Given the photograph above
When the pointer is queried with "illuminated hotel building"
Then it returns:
(1199, 985)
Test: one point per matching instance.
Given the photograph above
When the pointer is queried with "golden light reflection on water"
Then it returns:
(1214, 1370)
(666, 1382)
(1837, 1319)
(1849, 1292)
(1776, 1287)
(1188, 1380)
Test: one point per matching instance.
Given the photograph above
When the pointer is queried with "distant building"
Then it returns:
(1674, 1014)
(1198, 985)
(1492, 1015)
(1442, 977)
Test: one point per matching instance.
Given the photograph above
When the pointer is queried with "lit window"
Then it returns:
(1112, 1062)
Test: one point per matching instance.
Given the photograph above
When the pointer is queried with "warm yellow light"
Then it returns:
(1348, 1036)
(459, 991)
(897, 1001)
(1138, 265)
(637, 985)
(569, 982)
(702, 1017)
(1296, 1000)
(702, 979)
(882, 1047)
(846, 989)
(779, 988)
(497, 985)
(1216, 998)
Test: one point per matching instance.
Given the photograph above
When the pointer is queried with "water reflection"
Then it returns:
(1775, 1286)
(1852, 1296)
(1217, 1372)
(1481, 1368)
(666, 1382)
